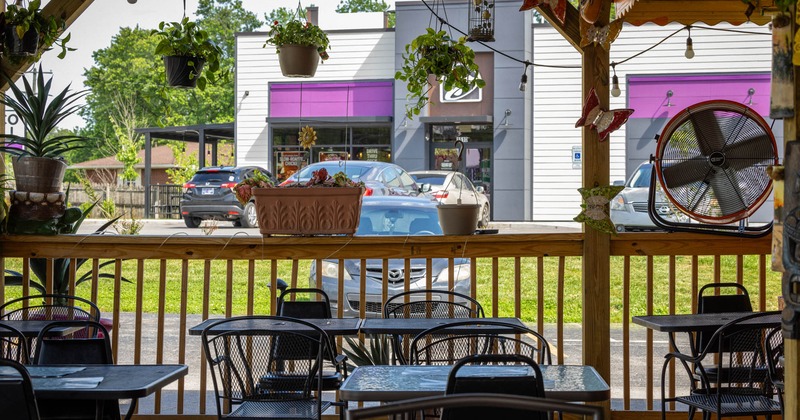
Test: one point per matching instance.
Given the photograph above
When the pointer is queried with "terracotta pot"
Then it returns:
(180, 73)
(298, 60)
(308, 211)
(458, 219)
(38, 174)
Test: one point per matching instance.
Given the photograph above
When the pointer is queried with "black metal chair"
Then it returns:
(533, 405)
(427, 304)
(18, 401)
(13, 345)
(773, 345)
(49, 307)
(249, 368)
(740, 386)
(334, 372)
(446, 344)
(529, 383)
(738, 301)
(89, 344)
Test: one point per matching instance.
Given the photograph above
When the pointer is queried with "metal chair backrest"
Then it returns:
(526, 379)
(446, 344)
(773, 346)
(18, 401)
(244, 362)
(89, 344)
(739, 301)
(407, 408)
(13, 345)
(51, 307)
(310, 309)
(432, 304)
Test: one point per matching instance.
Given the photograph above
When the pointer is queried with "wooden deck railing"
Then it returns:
(534, 277)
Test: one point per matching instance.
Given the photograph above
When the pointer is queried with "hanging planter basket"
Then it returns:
(298, 60)
(182, 71)
(458, 219)
(21, 47)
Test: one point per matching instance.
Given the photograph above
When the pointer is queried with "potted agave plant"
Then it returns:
(300, 46)
(436, 57)
(187, 50)
(325, 205)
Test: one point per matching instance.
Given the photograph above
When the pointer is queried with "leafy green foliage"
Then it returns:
(353, 6)
(375, 352)
(5, 187)
(451, 62)
(298, 31)
(40, 111)
(31, 17)
(185, 164)
(186, 38)
(281, 14)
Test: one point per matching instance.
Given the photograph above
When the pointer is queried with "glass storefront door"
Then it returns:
(476, 160)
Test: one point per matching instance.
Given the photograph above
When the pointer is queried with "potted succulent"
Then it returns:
(325, 205)
(37, 154)
(186, 50)
(300, 46)
(26, 30)
(436, 57)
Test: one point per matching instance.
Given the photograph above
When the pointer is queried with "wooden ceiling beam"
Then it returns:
(69, 11)
(571, 30)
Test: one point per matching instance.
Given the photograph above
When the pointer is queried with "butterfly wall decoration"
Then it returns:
(602, 121)
(559, 7)
(602, 35)
(595, 207)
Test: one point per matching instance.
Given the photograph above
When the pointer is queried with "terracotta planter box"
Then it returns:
(308, 211)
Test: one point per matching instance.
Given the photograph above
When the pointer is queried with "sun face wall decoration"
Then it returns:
(601, 120)
(595, 207)
(307, 137)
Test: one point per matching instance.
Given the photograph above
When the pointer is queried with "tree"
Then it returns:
(130, 142)
(353, 6)
(281, 14)
(128, 68)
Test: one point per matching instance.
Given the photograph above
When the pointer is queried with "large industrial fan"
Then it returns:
(711, 162)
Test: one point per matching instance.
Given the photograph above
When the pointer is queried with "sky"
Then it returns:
(94, 29)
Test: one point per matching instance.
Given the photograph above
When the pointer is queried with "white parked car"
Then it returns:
(448, 187)
(629, 207)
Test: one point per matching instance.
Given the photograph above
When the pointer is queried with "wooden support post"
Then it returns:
(596, 245)
(791, 399)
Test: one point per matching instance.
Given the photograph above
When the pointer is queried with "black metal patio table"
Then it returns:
(30, 327)
(399, 382)
(413, 326)
(102, 382)
(332, 326)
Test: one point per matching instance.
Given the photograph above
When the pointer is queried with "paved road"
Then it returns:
(173, 227)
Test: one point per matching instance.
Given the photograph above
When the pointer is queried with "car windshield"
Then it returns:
(353, 172)
(641, 179)
(398, 221)
(214, 176)
(430, 179)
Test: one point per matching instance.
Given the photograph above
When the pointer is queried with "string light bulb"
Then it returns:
(615, 91)
(689, 50)
(523, 81)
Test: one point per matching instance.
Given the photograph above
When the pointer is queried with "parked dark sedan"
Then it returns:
(390, 216)
(209, 196)
(379, 178)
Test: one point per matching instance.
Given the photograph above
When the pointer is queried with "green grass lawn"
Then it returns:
(529, 292)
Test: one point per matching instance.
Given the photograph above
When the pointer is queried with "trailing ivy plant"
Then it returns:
(31, 17)
(434, 55)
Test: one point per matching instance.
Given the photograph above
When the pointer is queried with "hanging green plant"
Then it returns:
(187, 51)
(28, 33)
(434, 55)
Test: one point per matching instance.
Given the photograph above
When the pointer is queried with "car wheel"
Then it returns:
(192, 222)
(485, 214)
(249, 218)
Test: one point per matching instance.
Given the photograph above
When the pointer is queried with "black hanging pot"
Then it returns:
(298, 60)
(21, 47)
(182, 71)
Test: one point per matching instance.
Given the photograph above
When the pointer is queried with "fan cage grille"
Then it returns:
(740, 144)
